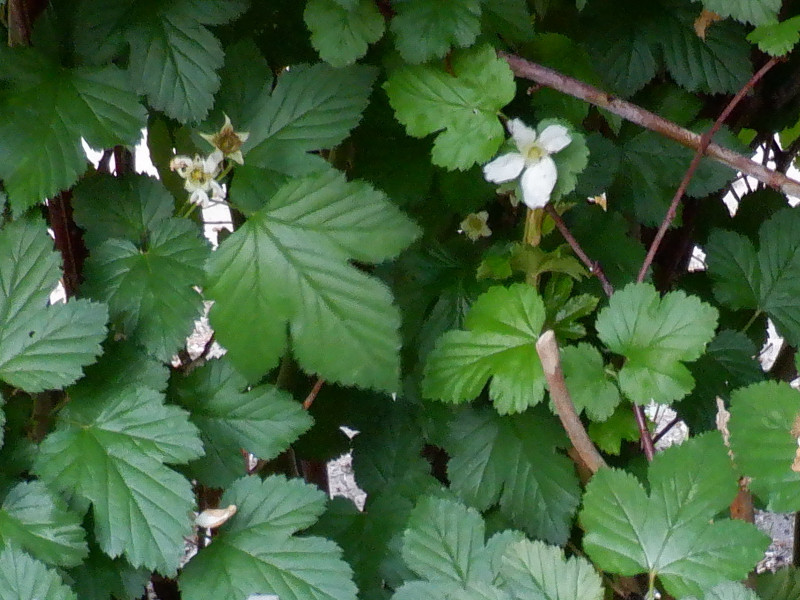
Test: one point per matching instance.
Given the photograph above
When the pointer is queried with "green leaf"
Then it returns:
(462, 105)
(764, 426)
(588, 383)
(246, 82)
(173, 56)
(625, 56)
(263, 420)
(511, 19)
(619, 427)
(718, 64)
(47, 109)
(340, 34)
(41, 347)
(150, 288)
(656, 335)
(443, 542)
(776, 39)
(781, 585)
(257, 553)
(757, 12)
(100, 577)
(532, 570)
(514, 461)
(426, 29)
(768, 280)
(39, 522)
(110, 449)
(23, 578)
(673, 533)
(500, 342)
(729, 590)
(288, 264)
(126, 207)
(311, 108)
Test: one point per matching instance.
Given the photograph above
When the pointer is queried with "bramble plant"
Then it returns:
(486, 235)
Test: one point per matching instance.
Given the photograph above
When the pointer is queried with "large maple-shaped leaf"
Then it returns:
(656, 335)
(256, 552)
(38, 521)
(444, 546)
(46, 110)
(535, 570)
(673, 532)
(767, 280)
(426, 29)
(110, 449)
(288, 267)
(461, 104)
(150, 288)
(514, 462)
(342, 35)
(124, 208)
(263, 420)
(173, 56)
(765, 426)
(41, 347)
(24, 578)
(499, 342)
(311, 108)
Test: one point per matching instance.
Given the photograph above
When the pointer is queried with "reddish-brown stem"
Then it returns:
(648, 447)
(593, 266)
(313, 393)
(705, 140)
(636, 114)
(547, 348)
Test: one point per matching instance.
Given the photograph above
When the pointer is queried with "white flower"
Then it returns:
(199, 177)
(475, 226)
(532, 161)
(211, 518)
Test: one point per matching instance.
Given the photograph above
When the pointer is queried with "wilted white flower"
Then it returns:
(211, 518)
(532, 162)
(475, 225)
(228, 141)
(199, 177)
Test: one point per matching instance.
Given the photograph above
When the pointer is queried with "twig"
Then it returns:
(312, 395)
(593, 266)
(705, 140)
(667, 428)
(547, 348)
(636, 114)
(648, 446)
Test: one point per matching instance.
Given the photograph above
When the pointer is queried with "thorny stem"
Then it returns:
(593, 266)
(644, 118)
(312, 395)
(705, 140)
(547, 348)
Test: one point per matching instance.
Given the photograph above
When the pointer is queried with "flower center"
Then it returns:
(534, 154)
(228, 141)
(198, 176)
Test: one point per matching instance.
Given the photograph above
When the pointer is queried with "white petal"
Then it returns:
(504, 168)
(201, 198)
(554, 138)
(211, 164)
(217, 191)
(524, 136)
(211, 518)
(538, 182)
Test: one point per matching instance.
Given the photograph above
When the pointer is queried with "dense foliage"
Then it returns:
(434, 241)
